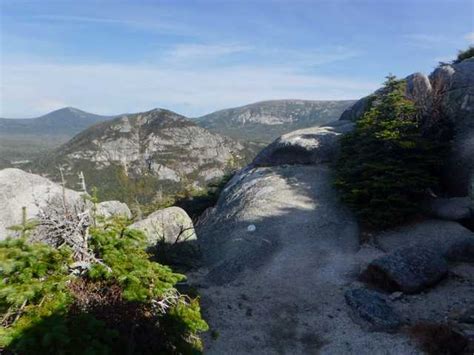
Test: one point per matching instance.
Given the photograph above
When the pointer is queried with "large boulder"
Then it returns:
(456, 86)
(449, 239)
(20, 189)
(410, 270)
(113, 208)
(451, 209)
(371, 309)
(170, 226)
(314, 145)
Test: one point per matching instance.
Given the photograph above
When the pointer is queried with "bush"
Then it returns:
(124, 304)
(466, 54)
(386, 164)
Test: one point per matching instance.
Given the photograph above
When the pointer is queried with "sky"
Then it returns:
(195, 57)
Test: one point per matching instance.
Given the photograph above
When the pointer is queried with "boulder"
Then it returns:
(410, 270)
(20, 189)
(371, 310)
(170, 225)
(113, 208)
(449, 239)
(452, 209)
(455, 86)
(314, 145)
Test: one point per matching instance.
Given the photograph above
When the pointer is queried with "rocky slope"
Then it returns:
(266, 120)
(161, 146)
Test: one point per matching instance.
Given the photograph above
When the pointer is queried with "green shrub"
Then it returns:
(113, 308)
(465, 54)
(386, 164)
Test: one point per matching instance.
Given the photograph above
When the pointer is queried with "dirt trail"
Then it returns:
(291, 299)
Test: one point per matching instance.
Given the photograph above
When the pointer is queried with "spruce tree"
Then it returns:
(386, 164)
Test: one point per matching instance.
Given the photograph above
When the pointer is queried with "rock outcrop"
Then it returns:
(20, 189)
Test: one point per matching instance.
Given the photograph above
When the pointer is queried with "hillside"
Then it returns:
(144, 155)
(25, 139)
(266, 120)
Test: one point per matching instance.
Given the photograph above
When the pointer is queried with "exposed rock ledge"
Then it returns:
(280, 252)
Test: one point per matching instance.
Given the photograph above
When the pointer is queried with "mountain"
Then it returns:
(144, 154)
(264, 121)
(22, 140)
(65, 121)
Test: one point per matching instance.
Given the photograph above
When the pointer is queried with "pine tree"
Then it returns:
(386, 164)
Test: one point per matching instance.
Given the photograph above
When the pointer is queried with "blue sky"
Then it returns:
(195, 57)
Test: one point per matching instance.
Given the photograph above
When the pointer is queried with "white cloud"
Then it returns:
(114, 88)
(469, 37)
(204, 51)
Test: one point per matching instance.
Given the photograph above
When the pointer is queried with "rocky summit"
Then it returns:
(158, 145)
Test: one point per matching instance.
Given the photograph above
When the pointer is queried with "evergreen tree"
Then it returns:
(386, 164)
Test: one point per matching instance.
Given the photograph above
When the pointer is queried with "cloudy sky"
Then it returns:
(194, 57)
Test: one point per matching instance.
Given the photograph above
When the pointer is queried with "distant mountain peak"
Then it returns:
(266, 120)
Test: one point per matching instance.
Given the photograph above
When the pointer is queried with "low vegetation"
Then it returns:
(387, 164)
(465, 54)
(111, 300)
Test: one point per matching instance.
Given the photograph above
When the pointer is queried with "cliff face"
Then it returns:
(266, 120)
(447, 94)
(159, 144)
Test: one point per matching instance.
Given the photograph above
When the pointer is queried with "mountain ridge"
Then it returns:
(266, 120)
